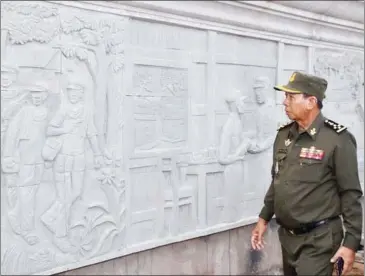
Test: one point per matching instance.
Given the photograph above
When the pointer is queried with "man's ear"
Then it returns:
(312, 102)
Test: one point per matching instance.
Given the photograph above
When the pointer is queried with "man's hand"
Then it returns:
(348, 256)
(257, 240)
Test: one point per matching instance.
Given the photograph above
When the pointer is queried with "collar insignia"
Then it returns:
(313, 131)
(287, 142)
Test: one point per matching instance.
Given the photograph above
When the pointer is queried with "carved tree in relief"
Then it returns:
(103, 39)
(25, 22)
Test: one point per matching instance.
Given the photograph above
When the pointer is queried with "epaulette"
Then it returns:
(285, 125)
(335, 126)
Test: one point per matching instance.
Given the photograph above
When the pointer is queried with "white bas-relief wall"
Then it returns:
(344, 101)
(120, 134)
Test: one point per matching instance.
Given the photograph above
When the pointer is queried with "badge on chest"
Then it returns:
(311, 153)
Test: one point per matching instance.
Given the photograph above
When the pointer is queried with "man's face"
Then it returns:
(75, 95)
(241, 104)
(38, 98)
(7, 78)
(295, 106)
(259, 92)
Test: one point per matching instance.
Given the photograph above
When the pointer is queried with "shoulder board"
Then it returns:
(285, 125)
(335, 126)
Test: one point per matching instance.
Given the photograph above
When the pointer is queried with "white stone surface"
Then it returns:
(129, 125)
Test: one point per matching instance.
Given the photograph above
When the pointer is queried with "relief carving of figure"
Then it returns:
(23, 164)
(360, 104)
(67, 134)
(232, 149)
(266, 127)
(11, 100)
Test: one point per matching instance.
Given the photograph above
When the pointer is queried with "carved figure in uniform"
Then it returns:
(67, 134)
(232, 149)
(264, 116)
(10, 96)
(23, 164)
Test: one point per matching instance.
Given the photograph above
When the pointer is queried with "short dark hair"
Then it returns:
(319, 103)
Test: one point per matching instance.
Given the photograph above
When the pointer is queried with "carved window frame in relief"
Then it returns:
(158, 104)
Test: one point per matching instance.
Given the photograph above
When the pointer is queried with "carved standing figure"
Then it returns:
(23, 164)
(11, 99)
(67, 134)
(264, 116)
(232, 149)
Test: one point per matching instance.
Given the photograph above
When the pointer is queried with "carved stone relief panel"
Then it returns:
(245, 125)
(160, 36)
(199, 104)
(243, 50)
(106, 125)
(345, 93)
(293, 58)
(255, 85)
(180, 208)
(344, 71)
(345, 74)
(160, 103)
(217, 198)
(58, 147)
(146, 194)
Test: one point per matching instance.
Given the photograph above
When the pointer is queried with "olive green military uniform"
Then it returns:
(314, 182)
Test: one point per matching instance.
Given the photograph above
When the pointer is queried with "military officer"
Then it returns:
(315, 182)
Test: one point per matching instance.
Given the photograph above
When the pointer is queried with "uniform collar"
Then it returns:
(312, 130)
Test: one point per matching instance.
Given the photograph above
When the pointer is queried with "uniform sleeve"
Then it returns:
(346, 169)
(267, 211)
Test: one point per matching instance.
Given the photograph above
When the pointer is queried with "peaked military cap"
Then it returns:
(38, 87)
(74, 86)
(300, 83)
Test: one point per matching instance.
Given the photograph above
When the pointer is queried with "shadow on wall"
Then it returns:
(267, 261)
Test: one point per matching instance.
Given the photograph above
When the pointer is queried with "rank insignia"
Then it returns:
(335, 126)
(313, 131)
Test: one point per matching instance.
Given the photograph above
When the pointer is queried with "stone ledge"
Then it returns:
(345, 10)
(268, 21)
